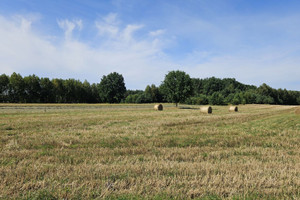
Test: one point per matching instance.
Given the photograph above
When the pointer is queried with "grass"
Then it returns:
(57, 151)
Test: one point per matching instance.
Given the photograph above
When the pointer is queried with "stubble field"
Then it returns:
(134, 152)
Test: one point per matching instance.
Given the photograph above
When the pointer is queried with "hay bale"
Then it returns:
(206, 109)
(297, 111)
(233, 109)
(158, 107)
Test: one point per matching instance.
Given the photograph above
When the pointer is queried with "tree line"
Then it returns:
(177, 87)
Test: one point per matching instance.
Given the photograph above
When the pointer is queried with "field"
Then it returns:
(134, 152)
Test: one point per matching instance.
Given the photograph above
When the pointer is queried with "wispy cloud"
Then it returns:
(110, 30)
(25, 51)
(69, 26)
(251, 48)
(157, 32)
(108, 26)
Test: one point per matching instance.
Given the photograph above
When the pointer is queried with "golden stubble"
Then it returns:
(102, 151)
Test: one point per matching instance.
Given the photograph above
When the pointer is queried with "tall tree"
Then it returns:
(177, 86)
(59, 90)
(94, 93)
(17, 88)
(32, 89)
(4, 87)
(112, 88)
(47, 91)
(153, 92)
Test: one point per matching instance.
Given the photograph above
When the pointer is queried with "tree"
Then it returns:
(47, 93)
(212, 85)
(73, 91)
(17, 87)
(112, 88)
(216, 99)
(59, 90)
(32, 89)
(268, 94)
(86, 92)
(95, 93)
(250, 96)
(200, 99)
(4, 87)
(153, 92)
(177, 86)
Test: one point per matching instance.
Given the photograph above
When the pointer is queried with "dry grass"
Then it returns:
(133, 152)
(297, 111)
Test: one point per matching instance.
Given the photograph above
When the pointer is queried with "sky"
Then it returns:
(254, 41)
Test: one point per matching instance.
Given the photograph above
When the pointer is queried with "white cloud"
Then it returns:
(112, 19)
(69, 26)
(108, 26)
(20, 48)
(25, 51)
(128, 32)
(137, 53)
(157, 32)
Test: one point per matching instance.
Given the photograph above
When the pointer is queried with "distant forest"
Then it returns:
(111, 89)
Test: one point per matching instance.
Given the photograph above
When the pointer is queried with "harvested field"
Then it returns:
(134, 152)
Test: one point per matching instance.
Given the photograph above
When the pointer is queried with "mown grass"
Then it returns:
(133, 152)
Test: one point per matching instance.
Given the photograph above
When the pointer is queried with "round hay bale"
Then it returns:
(297, 111)
(158, 107)
(206, 109)
(233, 109)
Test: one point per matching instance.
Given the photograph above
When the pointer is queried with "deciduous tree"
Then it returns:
(177, 86)
(112, 88)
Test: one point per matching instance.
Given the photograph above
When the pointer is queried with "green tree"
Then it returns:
(153, 93)
(74, 91)
(213, 85)
(239, 98)
(32, 88)
(95, 93)
(112, 88)
(86, 92)
(17, 88)
(177, 86)
(263, 99)
(216, 99)
(59, 90)
(47, 93)
(267, 94)
(4, 87)
(200, 99)
(250, 96)
(131, 98)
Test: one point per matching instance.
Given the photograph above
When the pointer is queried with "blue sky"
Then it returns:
(253, 41)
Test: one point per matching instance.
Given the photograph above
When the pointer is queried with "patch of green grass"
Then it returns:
(8, 161)
(8, 128)
(44, 152)
(44, 146)
(40, 195)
